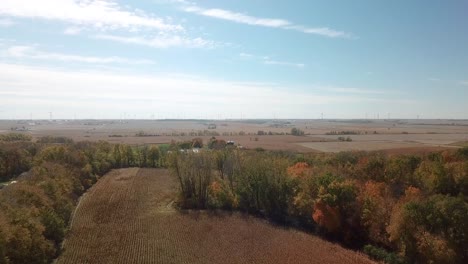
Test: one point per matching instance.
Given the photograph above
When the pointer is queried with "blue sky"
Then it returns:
(232, 59)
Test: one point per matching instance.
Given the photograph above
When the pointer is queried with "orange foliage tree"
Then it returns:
(376, 204)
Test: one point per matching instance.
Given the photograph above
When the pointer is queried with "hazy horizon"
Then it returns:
(237, 119)
(217, 60)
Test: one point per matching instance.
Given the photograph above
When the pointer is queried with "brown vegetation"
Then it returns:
(127, 218)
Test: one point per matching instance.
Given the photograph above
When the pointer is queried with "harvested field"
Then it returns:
(421, 133)
(371, 142)
(127, 218)
(364, 146)
(426, 139)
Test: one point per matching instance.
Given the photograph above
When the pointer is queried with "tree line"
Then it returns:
(396, 208)
(42, 183)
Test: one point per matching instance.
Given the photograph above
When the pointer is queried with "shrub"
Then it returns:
(381, 254)
(463, 153)
(15, 137)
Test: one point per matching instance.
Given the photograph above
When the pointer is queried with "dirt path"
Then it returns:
(127, 218)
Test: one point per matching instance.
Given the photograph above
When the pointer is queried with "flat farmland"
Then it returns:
(127, 217)
(370, 134)
(368, 146)
(422, 142)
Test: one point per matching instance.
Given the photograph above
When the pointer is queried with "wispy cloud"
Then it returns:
(245, 55)
(350, 90)
(283, 63)
(98, 14)
(433, 79)
(323, 31)
(259, 21)
(269, 61)
(30, 52)
(465, 83)
(161, 41)
(38, 89)
(4, 22)
(237, 17)
(102, 16)
(72, 31)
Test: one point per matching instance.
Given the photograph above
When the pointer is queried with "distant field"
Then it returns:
(127, 217)
(364, 146)
(390, 134)
(387, 142)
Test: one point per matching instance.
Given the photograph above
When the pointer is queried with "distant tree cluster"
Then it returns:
(297, 132)
(348, 139)
(15, 137)
(50, 139)
(269, 133)
(347, 132)
(144, 134)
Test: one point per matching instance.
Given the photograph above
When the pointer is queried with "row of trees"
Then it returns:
(397, 208)
(36, 208)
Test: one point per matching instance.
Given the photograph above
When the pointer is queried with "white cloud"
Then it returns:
(72, 31)
(106, 15)
(30, 52)
(268, 61)
(25, 89)
(258, 21)
(323, 31)
(433, 79)
(238, 17)
(162, 41)
(4, 22)
(347, 90)
(464, 83)
(99, 14)
(245, 55)
(284, 63)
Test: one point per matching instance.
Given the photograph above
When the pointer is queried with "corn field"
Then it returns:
(127, 217)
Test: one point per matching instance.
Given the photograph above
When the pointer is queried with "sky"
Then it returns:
(145, 59)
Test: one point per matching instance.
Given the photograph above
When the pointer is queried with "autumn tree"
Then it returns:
(197, 143)
(337, 198)
(194, 173)
(376, 202)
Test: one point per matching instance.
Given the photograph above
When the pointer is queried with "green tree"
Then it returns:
(154, 156)
(297, 132)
